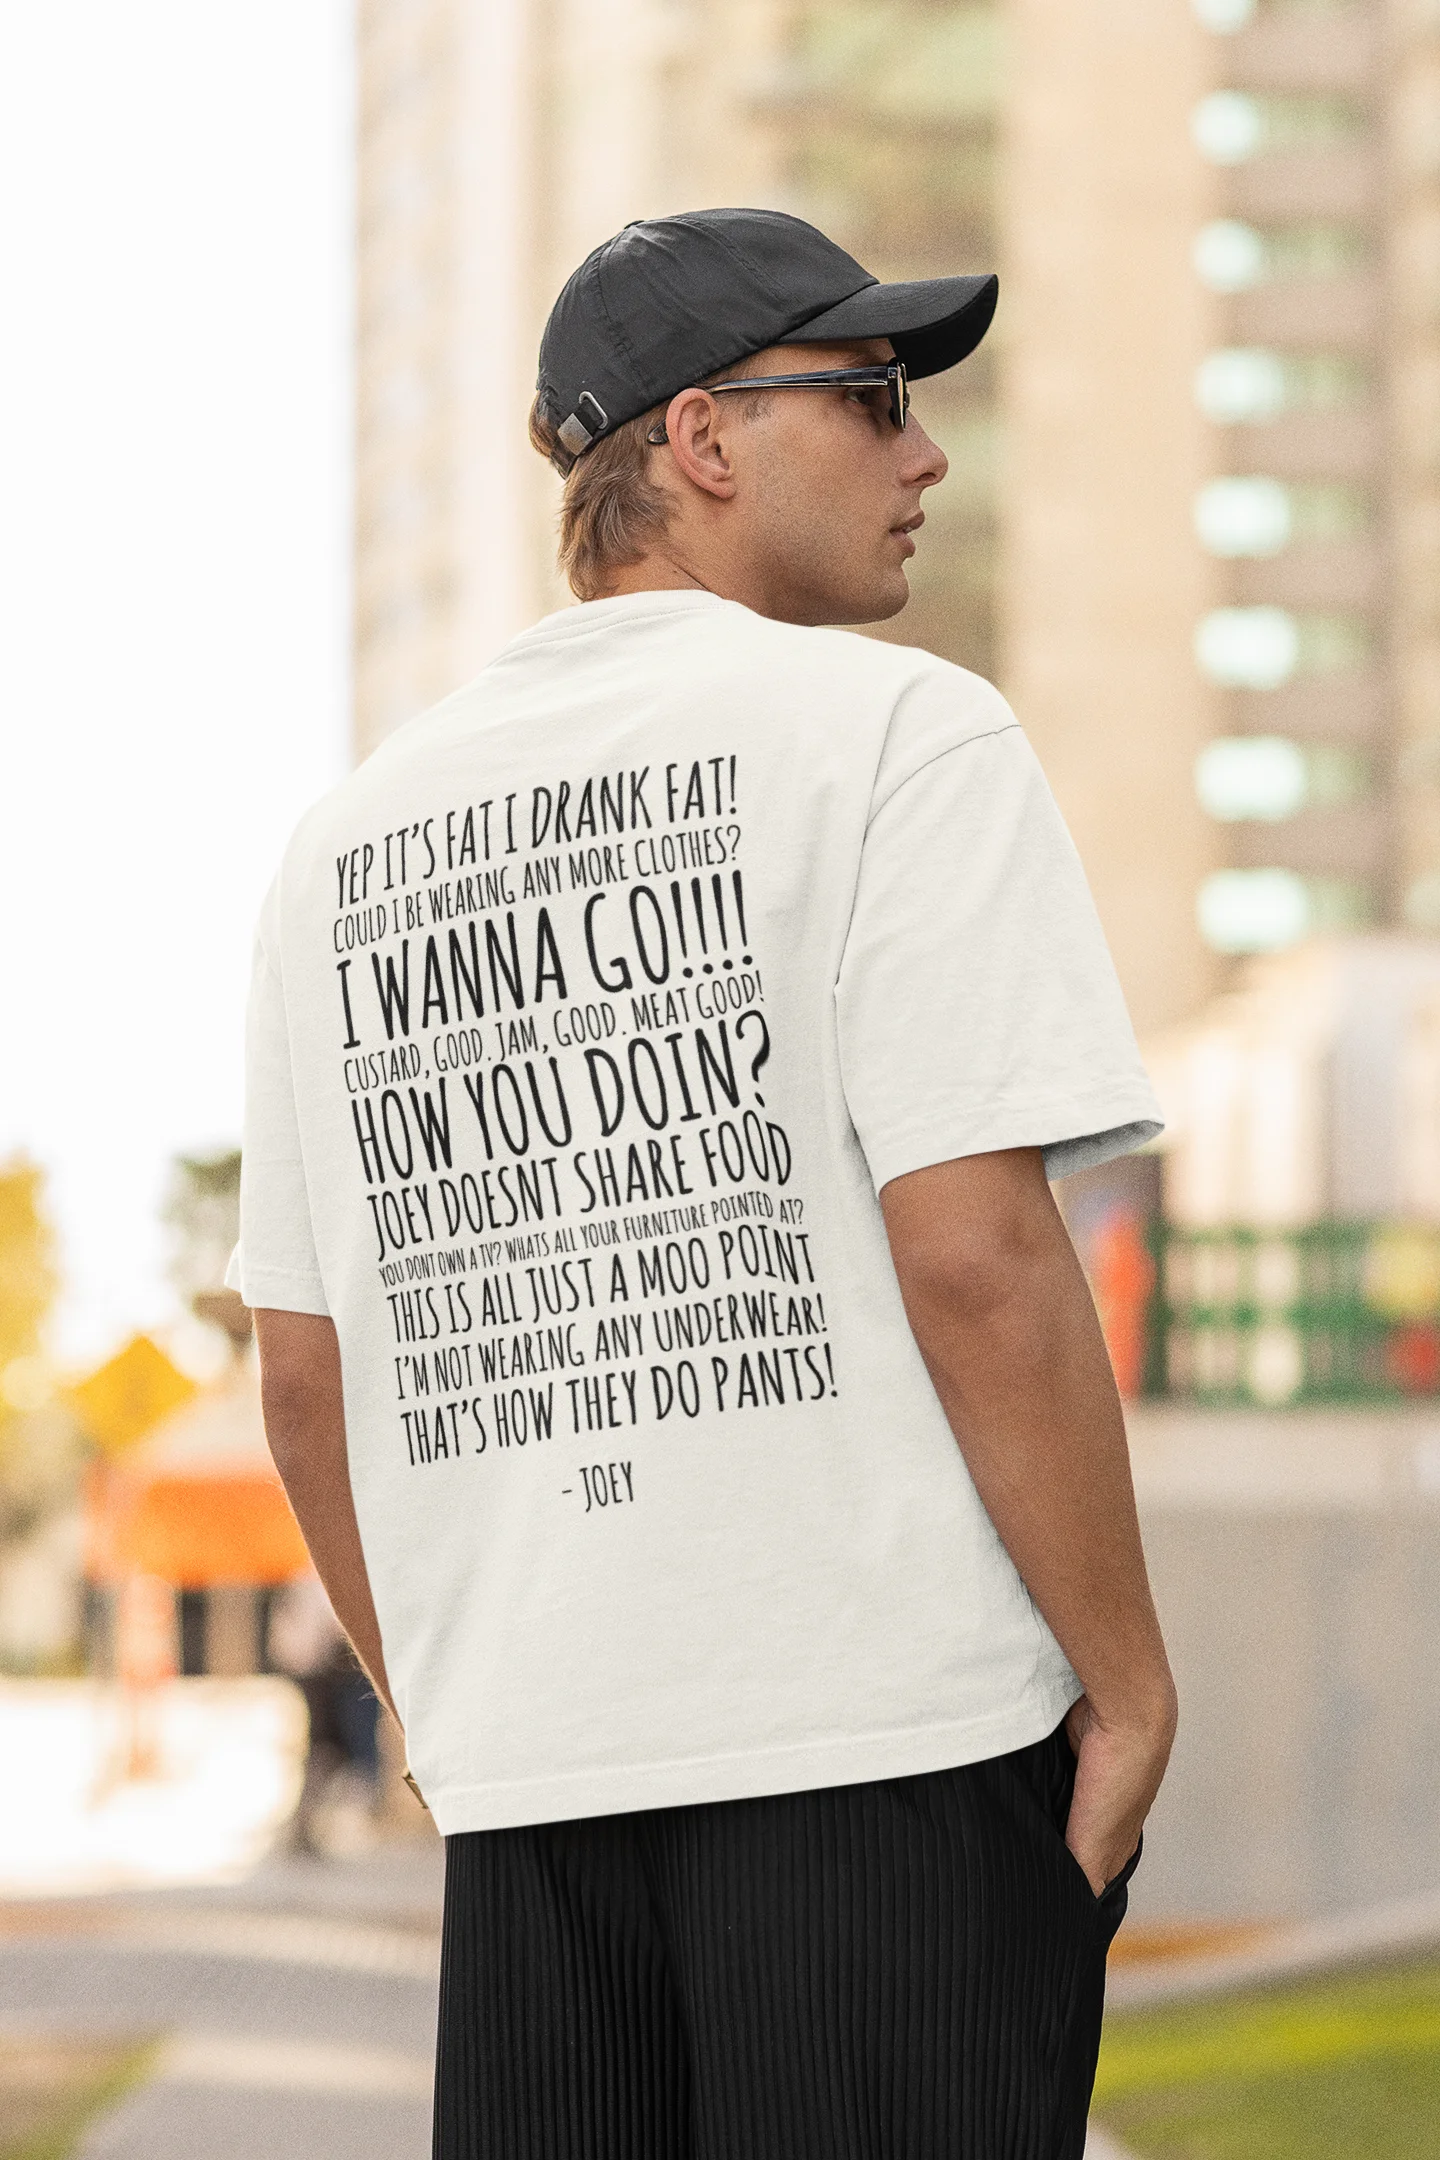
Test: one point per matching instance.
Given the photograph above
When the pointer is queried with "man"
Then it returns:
(658, 1052)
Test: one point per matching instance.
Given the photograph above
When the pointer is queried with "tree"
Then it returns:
(29, 1279)
(202, 1211)
(39, 1455)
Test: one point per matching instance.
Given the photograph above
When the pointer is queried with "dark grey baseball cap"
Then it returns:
(670, 300)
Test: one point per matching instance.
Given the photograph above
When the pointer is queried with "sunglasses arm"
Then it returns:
(868, 378)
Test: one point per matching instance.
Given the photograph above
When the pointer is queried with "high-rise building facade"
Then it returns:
(1223, 510)
(1322, 263)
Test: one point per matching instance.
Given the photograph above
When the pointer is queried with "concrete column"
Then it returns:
(1102, 326)
(232, 1632)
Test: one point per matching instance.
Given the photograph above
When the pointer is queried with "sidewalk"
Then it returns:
(1371, 1934)
(294, 2013)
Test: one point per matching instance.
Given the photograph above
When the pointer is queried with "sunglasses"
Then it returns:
(889, 376)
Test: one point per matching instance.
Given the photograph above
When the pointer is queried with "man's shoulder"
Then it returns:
(920, 691)
(940, 708)
(924, 680)
(923, 706)
(920, 705)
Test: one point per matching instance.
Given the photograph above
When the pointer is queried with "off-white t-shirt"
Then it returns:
(589, 1017)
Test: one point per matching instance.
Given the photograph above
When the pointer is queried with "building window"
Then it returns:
(1232, 126)
(1261, 648)
(1224, 17)
(1243, 517)
(1254, 515)
(1254, 648)
(1267, 778)
(1244, 385)
(1421, 905)
(1231, 256)
(1256, 911)
(1228, 127)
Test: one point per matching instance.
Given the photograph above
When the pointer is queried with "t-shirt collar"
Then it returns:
(588, 615)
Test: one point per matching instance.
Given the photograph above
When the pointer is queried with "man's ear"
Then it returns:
(693, 428)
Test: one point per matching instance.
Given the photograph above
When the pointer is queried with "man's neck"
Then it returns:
(654, 573)
(718, 572)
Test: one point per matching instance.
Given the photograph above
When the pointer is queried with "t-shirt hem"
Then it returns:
(1074, 1134)
(857, 1760)
(1090, 1150)
(279, 1289)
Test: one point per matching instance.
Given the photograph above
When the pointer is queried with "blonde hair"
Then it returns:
(613, 510)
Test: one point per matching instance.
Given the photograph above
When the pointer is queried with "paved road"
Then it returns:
(296, 2015)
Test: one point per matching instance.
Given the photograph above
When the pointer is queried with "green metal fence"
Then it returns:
(1336, 1312)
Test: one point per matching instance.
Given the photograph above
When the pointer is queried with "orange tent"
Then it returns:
(196, 1502)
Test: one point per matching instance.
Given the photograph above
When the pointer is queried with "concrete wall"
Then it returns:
(1296, 1563)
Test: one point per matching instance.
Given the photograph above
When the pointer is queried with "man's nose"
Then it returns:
(924, 464)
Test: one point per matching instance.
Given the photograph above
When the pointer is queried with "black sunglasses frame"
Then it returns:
(887, 375)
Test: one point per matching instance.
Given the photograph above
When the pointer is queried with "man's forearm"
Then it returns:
(1004, 1320)
(1014, 1349)
(305, 1426)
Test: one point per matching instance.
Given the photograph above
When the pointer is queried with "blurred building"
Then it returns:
(886, 124)
(1208, 575)
(444, 229)
(1103, 580)
(1224, 508)
(500, 143)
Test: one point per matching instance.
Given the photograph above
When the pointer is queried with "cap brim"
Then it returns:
(932, 323)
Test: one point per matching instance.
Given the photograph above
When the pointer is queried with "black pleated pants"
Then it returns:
(907, 1970)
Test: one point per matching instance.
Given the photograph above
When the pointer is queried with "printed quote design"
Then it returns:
(579, 1201)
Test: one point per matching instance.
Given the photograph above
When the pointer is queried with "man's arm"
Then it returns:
(1004, 1321)
(305, 1426)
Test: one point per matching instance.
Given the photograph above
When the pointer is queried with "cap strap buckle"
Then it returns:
(574, 433)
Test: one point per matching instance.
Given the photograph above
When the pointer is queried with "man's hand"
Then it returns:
(1005, 1323)
(1117, 1775)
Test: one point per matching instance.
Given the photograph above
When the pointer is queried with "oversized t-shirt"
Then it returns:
(589, 1017)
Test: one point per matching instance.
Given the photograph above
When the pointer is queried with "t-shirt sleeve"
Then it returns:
(275, 1263)
(977, 1004)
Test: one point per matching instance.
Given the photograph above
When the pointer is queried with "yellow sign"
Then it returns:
(1402, 1272)
(127, 1398)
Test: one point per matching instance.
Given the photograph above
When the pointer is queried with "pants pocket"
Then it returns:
(1114, 1900)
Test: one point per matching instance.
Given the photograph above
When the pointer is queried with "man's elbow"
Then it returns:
(971, 1236)
(300, 1389)
(976, 1279)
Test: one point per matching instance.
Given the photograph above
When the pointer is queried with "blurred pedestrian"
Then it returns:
(658, 1053)
(306, 1642)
